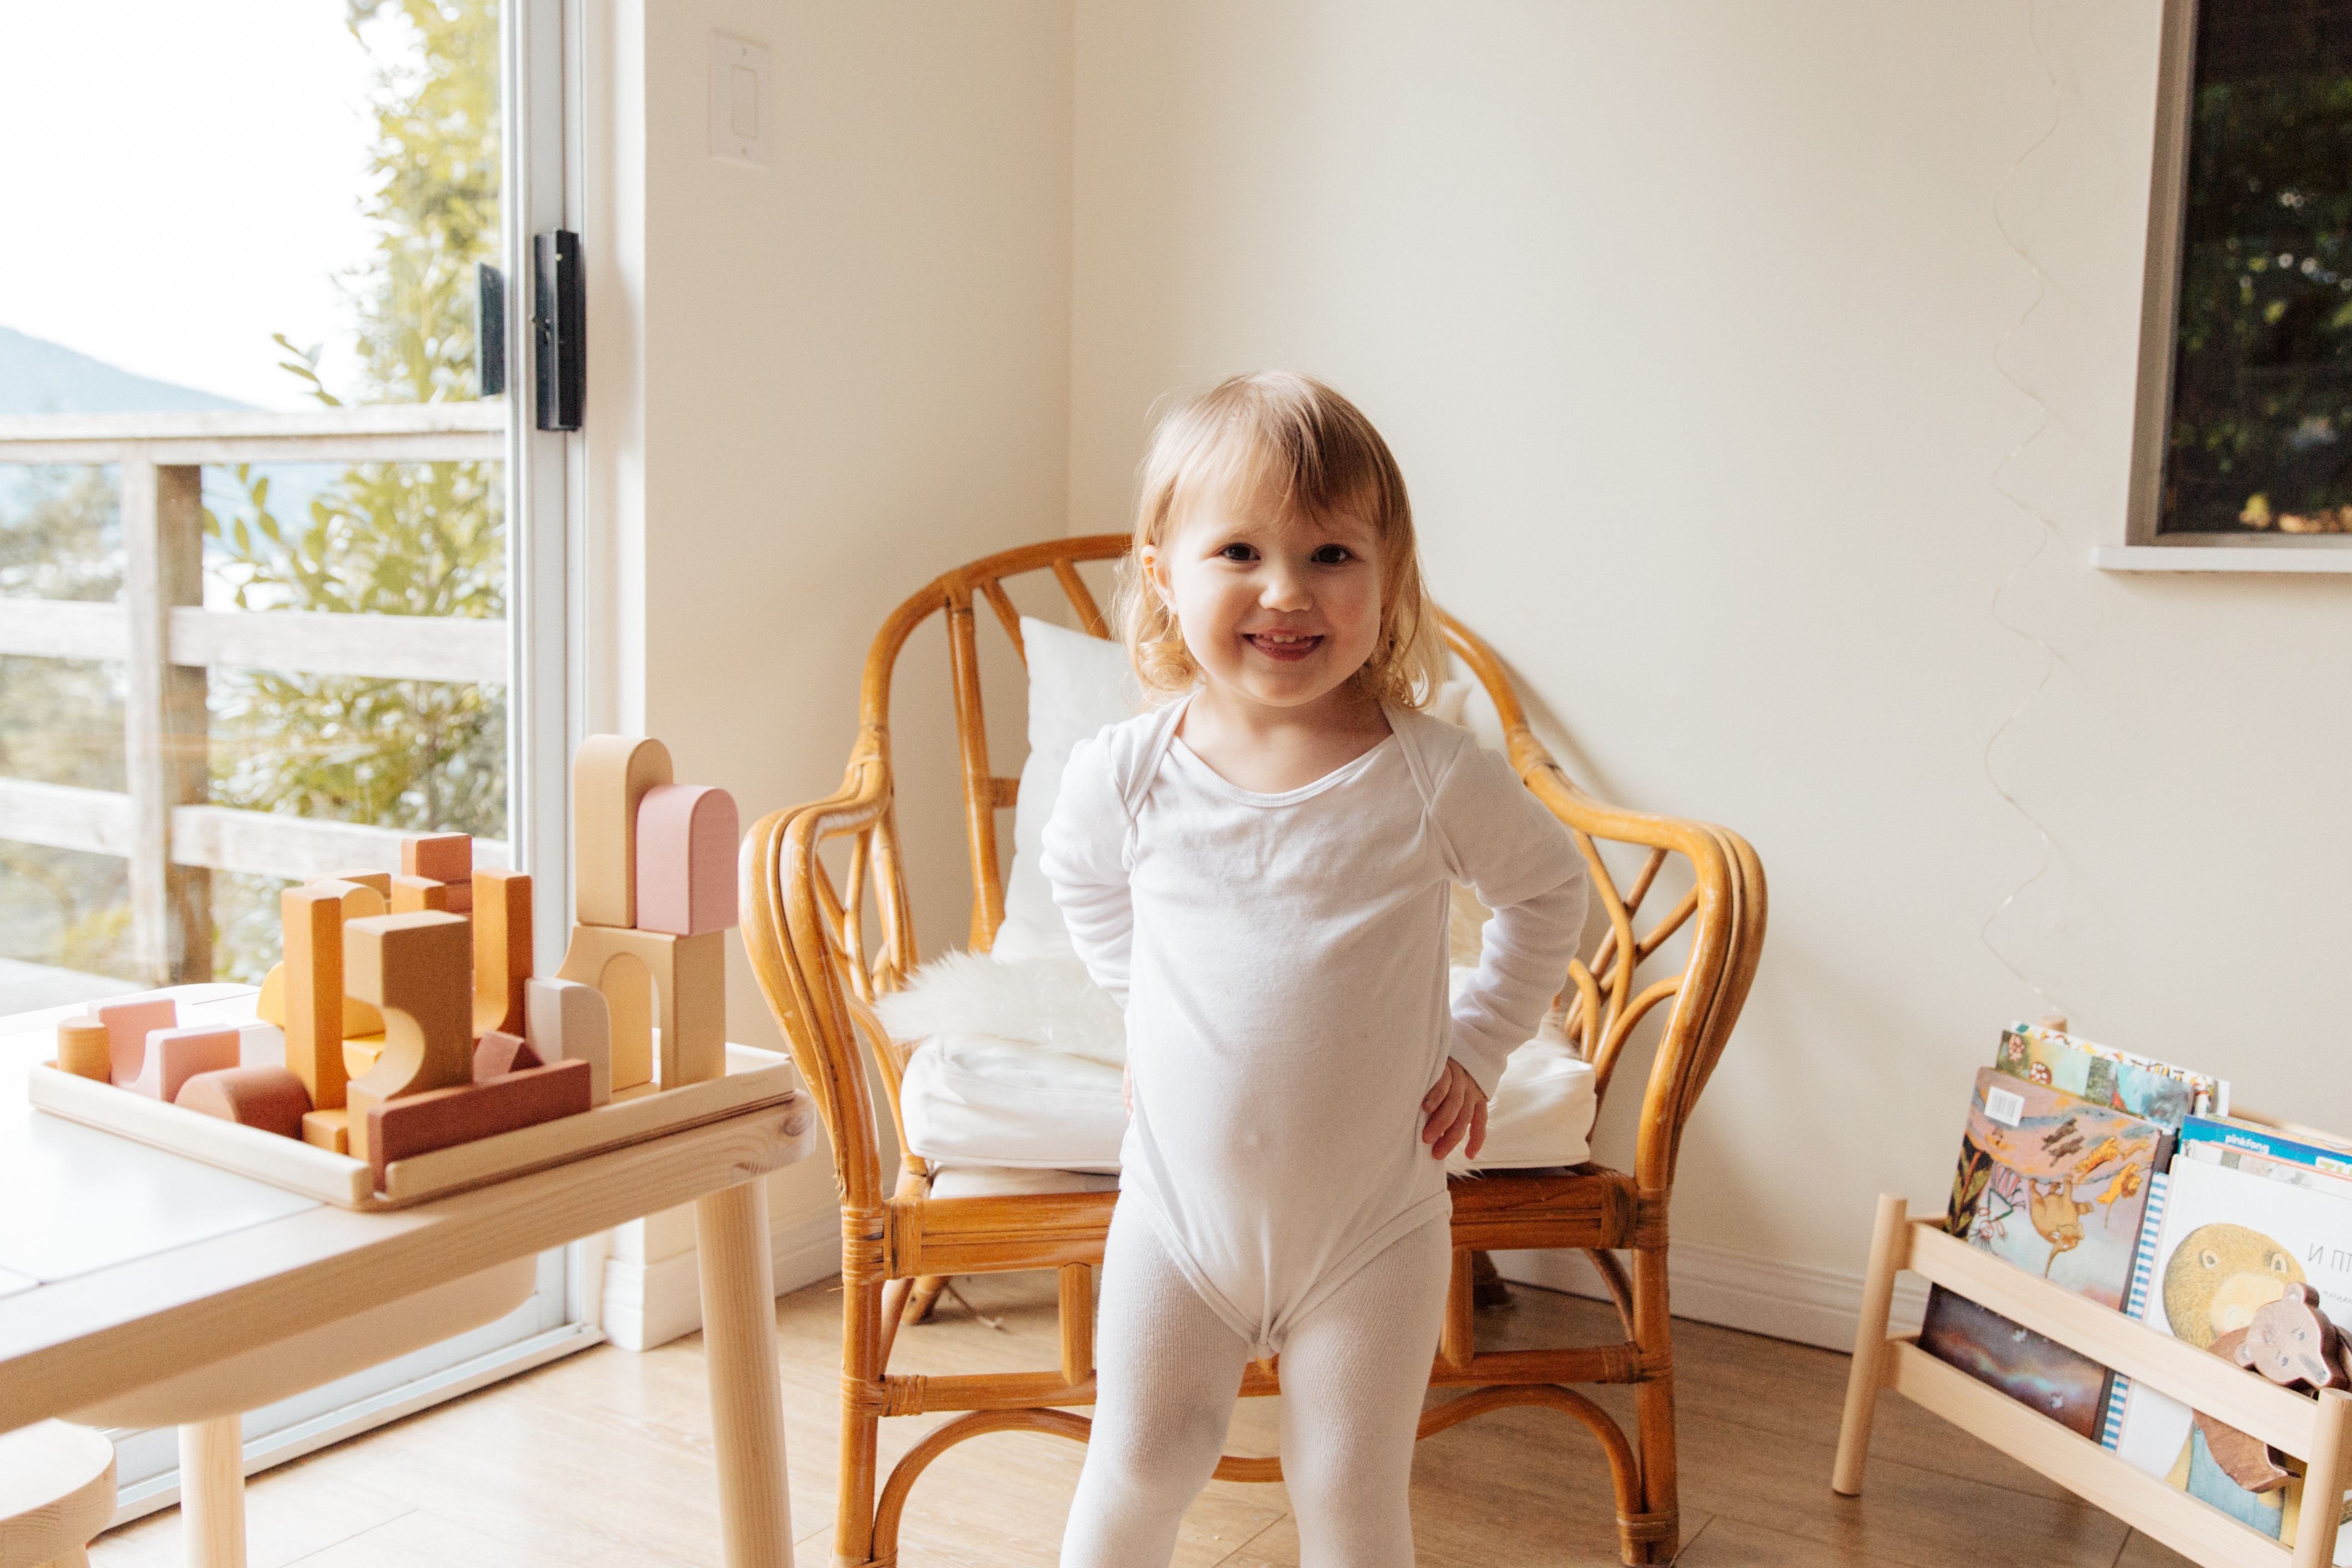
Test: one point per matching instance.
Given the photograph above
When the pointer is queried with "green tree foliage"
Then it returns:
(387, 538)
(2261, 409)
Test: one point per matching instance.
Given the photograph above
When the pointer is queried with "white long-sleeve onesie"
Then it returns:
(1282, 960)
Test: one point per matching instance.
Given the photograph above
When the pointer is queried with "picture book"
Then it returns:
(2252, 1137)
(2230, 1243)
(2057, 1185)
(2141, 1085)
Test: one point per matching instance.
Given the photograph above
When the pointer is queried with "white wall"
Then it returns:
(813, 387)
(1684, 321)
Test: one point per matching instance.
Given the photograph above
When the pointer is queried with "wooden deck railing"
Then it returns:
(167, 641)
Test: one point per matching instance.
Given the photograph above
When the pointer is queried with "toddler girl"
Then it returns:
(1258, 869)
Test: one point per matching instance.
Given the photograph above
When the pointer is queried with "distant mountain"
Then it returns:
(41, 378)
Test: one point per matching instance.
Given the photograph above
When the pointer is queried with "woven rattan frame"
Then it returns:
(807, 932)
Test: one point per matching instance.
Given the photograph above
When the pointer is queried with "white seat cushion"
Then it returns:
(979, 1099)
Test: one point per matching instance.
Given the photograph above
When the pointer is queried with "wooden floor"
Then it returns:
(605, 1459)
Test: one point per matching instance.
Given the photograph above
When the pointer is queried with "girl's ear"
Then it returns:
(1154, 562)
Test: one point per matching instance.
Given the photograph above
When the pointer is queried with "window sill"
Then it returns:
(2219, 558)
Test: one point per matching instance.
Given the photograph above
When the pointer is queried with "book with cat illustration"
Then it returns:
(2057, 1185)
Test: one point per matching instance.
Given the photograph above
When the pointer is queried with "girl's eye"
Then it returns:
(1238, 552)
(1332, 555)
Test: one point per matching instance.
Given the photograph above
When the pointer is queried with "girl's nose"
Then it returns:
(1285, 590)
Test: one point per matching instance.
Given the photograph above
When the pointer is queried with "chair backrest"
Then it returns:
(821, 970)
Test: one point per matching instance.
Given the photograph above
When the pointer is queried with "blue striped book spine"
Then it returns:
(2151, 1226)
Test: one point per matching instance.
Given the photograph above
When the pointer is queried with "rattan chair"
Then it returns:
(814, 946)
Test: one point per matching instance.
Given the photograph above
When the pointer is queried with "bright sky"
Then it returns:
(181, 181)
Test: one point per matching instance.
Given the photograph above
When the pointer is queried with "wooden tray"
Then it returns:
(754, 1077)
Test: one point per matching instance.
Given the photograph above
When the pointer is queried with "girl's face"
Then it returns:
(1277, 612)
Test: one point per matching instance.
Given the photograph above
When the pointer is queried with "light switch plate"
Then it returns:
(742, 100)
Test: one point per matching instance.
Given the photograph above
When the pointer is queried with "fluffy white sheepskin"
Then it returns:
(1045, 1002)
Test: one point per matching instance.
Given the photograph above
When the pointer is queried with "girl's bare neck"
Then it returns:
(1270, 751)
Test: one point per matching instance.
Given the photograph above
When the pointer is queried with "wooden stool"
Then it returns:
(56, 1491)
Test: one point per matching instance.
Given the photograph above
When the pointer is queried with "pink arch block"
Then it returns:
(128, 1023)
(175, 1056)
(685, 860)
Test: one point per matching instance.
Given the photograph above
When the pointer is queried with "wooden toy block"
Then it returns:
(418, 969)
(175, 1056)
(359, 1056)
(686, 976)
(685, 860)
(569, 1022)
(498, 1053)
(610, 774)
(413, 895)
(85, 1049)
(270, 1005)
(360, 900)
(328, 1130)
(437, 1119)
(271, 1098)
(443, 856)
(501, 903)
(128, 1024)
(312, 996)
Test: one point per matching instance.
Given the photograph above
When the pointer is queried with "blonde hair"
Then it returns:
(1278, 444)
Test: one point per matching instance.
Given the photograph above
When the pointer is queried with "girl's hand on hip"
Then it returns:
(1454, 1110)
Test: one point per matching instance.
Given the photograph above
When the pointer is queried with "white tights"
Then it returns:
(1352, 1374)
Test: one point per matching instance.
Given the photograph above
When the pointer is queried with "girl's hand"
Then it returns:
(1453, 1111)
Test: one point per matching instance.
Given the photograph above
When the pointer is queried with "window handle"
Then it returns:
(560, 330)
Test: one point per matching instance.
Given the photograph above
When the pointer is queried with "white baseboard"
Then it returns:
(1800, 1301)
(649, 1304)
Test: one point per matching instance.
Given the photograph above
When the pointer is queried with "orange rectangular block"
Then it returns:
(412, 895)
(610, 774)
(416, 969)
(442, 856)
(685, 860)
(312, 920)
(501, 903)
(420, 1123)
(327, 1129)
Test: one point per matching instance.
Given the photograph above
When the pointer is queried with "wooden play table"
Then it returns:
(120, 1265)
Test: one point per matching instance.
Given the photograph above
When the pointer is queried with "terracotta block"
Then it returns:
(501, 903)
(413, 895)
(128, 1023)
(175, 1056)
(441, 856)
(327, 1129)
(418, 969)
(685, 860)
(498, 1053)
(570, 1022)
(610, 774)
(312, 920)
(271, 1098)
(437, 1119)
(85, 1049)
(377, 882)
(653, 979)
(459, 898)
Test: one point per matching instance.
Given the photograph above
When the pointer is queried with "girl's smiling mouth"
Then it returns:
(1286, 646)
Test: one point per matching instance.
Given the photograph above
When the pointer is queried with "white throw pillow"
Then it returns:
(1078, 685)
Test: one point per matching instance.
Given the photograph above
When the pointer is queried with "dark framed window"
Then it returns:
(2244, 428)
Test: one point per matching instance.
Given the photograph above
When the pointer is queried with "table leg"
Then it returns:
(212, 1492)
(739, 1344)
